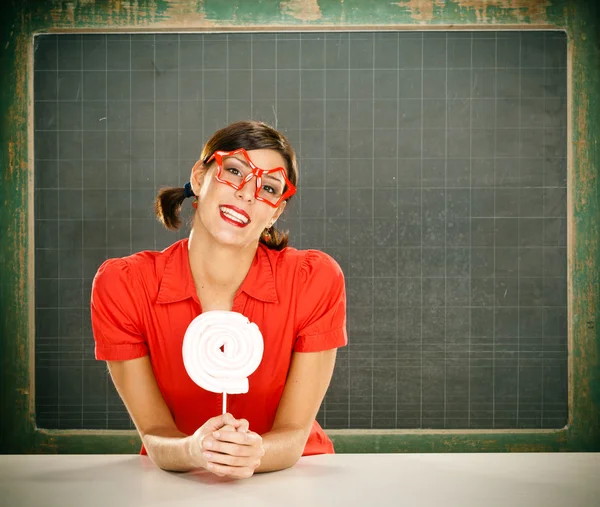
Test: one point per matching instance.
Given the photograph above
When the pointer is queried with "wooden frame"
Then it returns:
(23, 19)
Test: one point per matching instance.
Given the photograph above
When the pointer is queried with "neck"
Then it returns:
(232, 266)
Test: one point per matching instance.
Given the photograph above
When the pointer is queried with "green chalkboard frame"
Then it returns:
(22, 19)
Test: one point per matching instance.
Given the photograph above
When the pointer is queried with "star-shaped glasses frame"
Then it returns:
(256, 172)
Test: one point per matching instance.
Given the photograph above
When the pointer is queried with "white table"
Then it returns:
(370, 480)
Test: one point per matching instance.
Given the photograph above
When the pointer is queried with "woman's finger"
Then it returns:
(237, 437)
(231, 460)
(244, 425)
(228, 471)
(220, 421)
(241, 450)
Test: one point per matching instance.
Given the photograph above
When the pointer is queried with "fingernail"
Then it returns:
(207, 454)
(209, 465)
(216, 434)
(208, 443)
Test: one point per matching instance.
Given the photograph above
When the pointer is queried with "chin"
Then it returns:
(232, 238)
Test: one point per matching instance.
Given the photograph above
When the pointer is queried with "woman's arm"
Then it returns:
(169, 448)
(305, 388)
(307, 382)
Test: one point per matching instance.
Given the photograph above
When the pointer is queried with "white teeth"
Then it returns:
(234, 215)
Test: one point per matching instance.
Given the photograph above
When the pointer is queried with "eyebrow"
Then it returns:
(241, 160)
(271, 177)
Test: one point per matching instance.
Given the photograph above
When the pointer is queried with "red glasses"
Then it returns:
(272, 185)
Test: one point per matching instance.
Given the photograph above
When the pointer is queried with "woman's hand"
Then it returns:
(232, 450)
(234, 454)
(225, 447)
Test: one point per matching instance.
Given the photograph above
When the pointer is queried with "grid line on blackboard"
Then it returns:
(325, 399)
(82, 245)
(107, 385)
(446, 234)
(543, 266)
(372, 362)
(58, 243)
(469, 405)
(421, 242)
(348, 246)
(518, 247)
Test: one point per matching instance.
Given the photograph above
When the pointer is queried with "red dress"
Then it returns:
(142, 305)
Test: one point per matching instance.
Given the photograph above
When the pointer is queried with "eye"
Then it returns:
(269, 189)
(233, 171)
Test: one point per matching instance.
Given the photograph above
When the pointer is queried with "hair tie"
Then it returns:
(187, 190)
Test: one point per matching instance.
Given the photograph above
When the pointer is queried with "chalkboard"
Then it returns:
(433, 169)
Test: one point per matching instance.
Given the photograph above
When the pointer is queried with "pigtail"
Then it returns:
(167, 206)
(274, 239)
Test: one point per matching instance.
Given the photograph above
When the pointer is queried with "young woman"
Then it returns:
(234, 260)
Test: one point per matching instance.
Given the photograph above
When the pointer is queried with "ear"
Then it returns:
(278, 212)
(197, 176)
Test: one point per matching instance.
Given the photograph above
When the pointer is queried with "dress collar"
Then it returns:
(177, 283)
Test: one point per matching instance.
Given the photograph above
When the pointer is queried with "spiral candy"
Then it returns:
(221, 350)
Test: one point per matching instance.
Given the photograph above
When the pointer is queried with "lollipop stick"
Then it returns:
(224, 403)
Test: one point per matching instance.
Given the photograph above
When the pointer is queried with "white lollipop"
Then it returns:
(221, 350)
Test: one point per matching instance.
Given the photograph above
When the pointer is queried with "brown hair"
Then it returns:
(251, 135)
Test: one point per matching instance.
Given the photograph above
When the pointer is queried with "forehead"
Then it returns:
(265, 159)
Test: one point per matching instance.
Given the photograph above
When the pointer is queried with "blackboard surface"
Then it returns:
(433, 168)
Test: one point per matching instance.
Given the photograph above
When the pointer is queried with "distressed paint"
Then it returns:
(446, 441)
(14, 287)
(23, 19)
(524, 10)
(585, 211)
(186, 14)
(304, 10)
(421, 10)
(113, 11)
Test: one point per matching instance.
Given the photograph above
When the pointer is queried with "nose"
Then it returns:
(246, 193)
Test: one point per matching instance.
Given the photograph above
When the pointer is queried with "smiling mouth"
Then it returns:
(234, 217)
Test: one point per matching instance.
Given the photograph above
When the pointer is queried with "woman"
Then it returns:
(234, 260)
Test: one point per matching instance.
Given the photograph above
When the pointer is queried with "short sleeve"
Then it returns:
(115, 315)
(321, 304)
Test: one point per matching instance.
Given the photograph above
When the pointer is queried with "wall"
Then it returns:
(22, 19)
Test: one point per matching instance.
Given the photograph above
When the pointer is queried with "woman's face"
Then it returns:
(234, 217)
